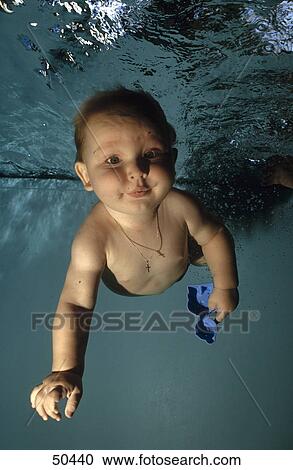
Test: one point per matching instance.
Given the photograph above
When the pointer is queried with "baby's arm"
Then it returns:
(74, 312)
(279, 170)
(220, 256)
(218, 248)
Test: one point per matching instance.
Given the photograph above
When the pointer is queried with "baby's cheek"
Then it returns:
(163, 173)
(166, 177)
(109, 180)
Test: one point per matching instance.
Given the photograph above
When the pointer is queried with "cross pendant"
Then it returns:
(148, 267)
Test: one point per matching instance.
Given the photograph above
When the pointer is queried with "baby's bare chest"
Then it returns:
(152, 265)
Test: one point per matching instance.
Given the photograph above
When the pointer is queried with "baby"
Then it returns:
(139, 238)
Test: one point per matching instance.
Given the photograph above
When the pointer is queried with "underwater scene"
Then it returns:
(222, 72)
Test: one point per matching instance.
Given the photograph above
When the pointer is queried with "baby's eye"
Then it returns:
(152, 154)
(113, 160)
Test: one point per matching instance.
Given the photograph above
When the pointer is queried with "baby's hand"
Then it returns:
(279, 170)
(55, 386)
(224, 301)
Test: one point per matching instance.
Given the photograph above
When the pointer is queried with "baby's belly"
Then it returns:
(140, 283)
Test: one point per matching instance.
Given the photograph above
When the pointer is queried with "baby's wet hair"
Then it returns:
(121, 101)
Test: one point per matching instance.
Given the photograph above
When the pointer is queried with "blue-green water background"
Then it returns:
(222, 71)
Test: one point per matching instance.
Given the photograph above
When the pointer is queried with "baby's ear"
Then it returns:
(82, 173)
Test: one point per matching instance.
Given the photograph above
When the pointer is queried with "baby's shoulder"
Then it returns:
(92, 231)
(179, 200)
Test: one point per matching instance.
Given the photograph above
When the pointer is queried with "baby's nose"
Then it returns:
(138, 169)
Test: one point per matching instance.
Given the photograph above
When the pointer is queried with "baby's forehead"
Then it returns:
(109, 124)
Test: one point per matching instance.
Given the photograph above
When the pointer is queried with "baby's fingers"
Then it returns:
(212, 304)
(40, 409)
(50, 403)
(34, 393)
(73, 402)
(46, 403)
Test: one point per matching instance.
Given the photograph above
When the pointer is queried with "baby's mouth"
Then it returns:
(139, 192)
(139, 189)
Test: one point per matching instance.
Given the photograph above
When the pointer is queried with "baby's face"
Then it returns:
(122, 155)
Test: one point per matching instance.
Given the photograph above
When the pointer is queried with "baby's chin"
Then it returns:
(125, 202)
(131, 205)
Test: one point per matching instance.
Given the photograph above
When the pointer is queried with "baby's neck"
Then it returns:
(135, 222)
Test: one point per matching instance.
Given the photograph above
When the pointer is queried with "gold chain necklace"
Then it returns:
(134, 243)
